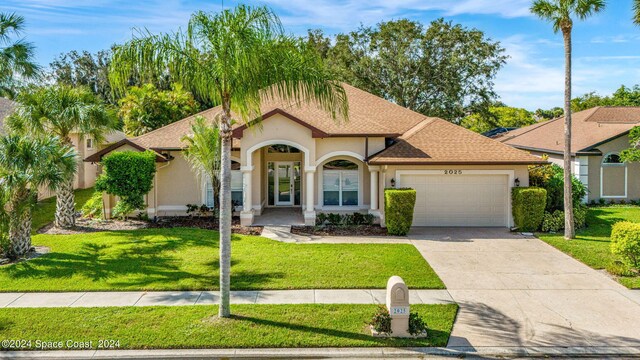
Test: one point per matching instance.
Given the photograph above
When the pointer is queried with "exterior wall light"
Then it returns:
(393, 182)
(517, 182)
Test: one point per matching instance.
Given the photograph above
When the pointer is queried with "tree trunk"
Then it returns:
(569, 228)
(225, 211)
(19, 225)
(65, 205)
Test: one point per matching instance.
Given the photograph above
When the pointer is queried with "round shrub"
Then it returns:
(398, 210)
(625, 241)
(381, 321)
(528, 207)
(551, 178)
(93, 207)
(417, 326)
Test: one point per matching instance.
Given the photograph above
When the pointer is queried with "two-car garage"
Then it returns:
(459, 197)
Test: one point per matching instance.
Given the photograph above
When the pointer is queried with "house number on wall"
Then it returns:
(453, 172)
(399, 310)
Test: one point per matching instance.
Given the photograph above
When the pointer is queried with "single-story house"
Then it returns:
(6, 108)
(300, 158)
(598, 136)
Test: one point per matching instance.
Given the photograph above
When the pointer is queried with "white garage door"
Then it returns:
(459, 200)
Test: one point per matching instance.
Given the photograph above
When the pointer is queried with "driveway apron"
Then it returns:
(516, 290)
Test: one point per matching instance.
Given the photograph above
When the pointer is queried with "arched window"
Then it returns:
(612, 159)
(340, 183)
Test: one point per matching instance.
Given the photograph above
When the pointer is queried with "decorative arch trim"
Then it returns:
(255, 147)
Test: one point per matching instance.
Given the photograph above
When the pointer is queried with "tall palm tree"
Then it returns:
(203, 151)
(27, 163)
(16, 56)
(636, 12)
(62, 110)
(560, 14)
(234, 58)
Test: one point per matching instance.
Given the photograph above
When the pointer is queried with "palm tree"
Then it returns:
(62, 110)
(16, 57)
(560, 13)
(636, 12)
(234, 58)
(26, 164)
(203, 151)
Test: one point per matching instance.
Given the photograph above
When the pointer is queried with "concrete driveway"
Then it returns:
(517, 291)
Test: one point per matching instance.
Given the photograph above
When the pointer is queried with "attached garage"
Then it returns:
(460, 197)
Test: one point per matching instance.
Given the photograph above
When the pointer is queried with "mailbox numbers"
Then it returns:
(453, 172)
(399, 310)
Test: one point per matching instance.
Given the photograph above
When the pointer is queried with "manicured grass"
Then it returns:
(592, 244)
(187, 259)
(254, 326)
(45, 210)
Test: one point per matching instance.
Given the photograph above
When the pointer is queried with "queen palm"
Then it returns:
(16, 56)
(234, 58)
(560, 14)
(27, 163)
(62, 110)
(636, 12)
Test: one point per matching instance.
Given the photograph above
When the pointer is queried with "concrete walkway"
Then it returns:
(517, 291)
(182, 298)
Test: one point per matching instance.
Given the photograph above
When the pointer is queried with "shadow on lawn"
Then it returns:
(137, 261)
(436, 337)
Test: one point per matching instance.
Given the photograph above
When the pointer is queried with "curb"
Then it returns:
(333, 353)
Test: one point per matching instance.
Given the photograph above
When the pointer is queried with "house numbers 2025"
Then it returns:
(453, 172)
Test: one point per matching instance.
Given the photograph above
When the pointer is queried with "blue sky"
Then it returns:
(606, 47)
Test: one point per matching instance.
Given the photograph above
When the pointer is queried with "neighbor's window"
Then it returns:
(89, 143)
(612, 159)
(340, 183)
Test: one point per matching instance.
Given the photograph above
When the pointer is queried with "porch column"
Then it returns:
(246, 216)
(310, 214)
(374, 191)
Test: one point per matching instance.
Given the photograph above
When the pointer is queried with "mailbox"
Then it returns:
(398, 306)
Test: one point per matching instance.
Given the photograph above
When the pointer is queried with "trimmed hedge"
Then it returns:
(398, 210)
(625, 241)
(528, 207)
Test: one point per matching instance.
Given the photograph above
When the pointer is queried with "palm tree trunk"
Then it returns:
(19, 225)
(225, 211)
(569, 230)
(65, 205)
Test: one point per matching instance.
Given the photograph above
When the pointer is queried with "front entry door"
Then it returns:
(284, 183)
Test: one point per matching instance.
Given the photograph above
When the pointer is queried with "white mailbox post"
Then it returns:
(398, 306)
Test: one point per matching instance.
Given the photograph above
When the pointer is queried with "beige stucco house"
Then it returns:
(301, 159)
(598, 136)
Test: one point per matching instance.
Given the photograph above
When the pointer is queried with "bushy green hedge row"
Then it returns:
(528, 207)
(554, 222)
(625, 241)
(398, 210)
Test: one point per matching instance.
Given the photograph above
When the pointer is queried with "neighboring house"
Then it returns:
(598, 136)
(302, 159)
(497, 132)
(6, 108)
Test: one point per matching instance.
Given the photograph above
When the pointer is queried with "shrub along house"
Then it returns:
(598, 136)
(300, 159)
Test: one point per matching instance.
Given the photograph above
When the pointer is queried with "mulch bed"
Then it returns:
(84, 225)
(34, 252)
(330, 230)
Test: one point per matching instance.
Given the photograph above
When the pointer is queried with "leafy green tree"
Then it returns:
(128, 175)
(624, 96)
(632, 154)
(27, 164)
(498, 116)
(62, 110)
(203, 152)
(16, 56)
(234, 58)
(146, 108)
(560, 14)
(84, 69)
(553, 113)
(443, 70)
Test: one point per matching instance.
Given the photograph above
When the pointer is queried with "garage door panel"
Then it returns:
(459, 200)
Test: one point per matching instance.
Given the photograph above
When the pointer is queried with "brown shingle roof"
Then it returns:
(589, 128)
(368, 115)
(436, 141)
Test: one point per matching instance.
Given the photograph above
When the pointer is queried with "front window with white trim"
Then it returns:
(613, 177)
(236, 187)
(340, 183)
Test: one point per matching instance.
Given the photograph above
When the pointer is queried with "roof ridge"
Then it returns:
(416, 128)
(594, 110)
(175, 123)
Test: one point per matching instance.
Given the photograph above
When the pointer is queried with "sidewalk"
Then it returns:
(184, 298)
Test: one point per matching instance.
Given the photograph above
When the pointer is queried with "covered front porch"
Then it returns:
(283, 184)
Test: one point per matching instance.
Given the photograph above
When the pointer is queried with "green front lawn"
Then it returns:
(187, 259)
(252, 326)
(45, 210)
(592, 244)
